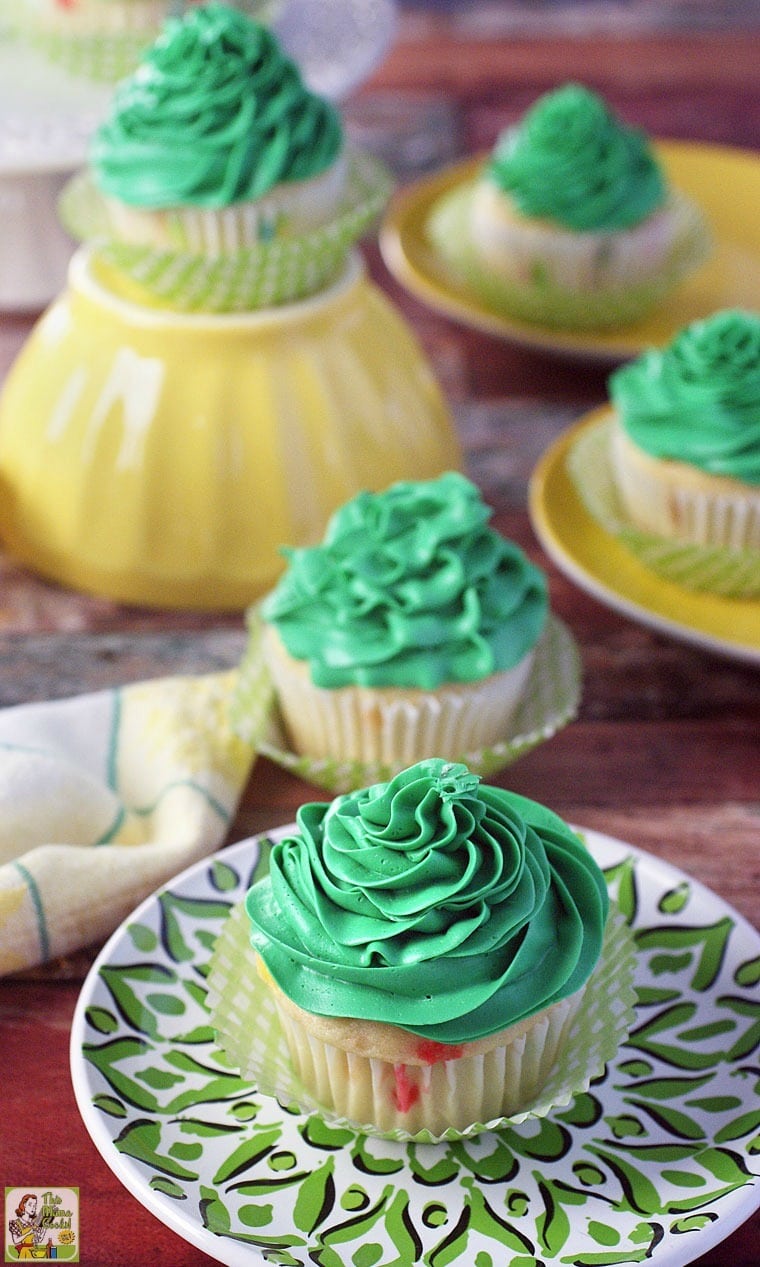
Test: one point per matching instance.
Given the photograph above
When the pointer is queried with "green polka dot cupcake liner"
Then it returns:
(100, 58)
(104, 56)
(99, 42)
(550, 700)
(249, 1032)
(711, 569)
(270, 273)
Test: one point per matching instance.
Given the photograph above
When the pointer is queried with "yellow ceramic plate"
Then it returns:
(601, 565)
(724, 182)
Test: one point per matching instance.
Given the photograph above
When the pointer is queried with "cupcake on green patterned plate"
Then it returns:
(412, 630)
(571, 223)
(428, 944)
(216, 160)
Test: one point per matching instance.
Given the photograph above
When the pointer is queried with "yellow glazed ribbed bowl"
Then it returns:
(163, 459)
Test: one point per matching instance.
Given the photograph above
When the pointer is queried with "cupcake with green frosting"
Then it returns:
(218, 180)
(572, 221)
(428, 941)
(685, 440)
(408, 632)
(215, 143)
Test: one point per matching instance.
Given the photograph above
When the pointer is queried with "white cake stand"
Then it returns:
(46, 117)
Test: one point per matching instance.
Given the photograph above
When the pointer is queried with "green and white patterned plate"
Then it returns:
(656, 1163)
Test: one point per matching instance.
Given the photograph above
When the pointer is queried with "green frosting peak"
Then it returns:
(215, 114)
(411, 587)
(572, 161)
(698, 399)
(432, 902)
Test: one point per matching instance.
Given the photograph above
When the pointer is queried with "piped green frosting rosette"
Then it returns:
(433, 902)
(217, 116)
(572, 161)
(411, 588)
(696, 401)
(436, 903)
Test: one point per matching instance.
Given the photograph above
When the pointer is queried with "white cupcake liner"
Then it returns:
(560, 282)
(582, 261)
(269, 273)
(549, 700)
(583, 1036)
(394, 726)
(697, 565)
(303, 205)
(448, 1095)
(681, 503)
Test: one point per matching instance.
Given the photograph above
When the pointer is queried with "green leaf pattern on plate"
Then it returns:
(664, 1139)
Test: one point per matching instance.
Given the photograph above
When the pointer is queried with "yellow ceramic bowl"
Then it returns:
(163, 459)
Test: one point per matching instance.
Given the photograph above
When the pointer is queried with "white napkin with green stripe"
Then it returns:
(105, 796)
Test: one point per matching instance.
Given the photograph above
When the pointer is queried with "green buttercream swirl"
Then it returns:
(215, 114)
(698, 399)
(572, 161)
(432, 902)
(411, 587)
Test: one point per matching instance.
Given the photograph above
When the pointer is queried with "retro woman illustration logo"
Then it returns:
(42, 1225)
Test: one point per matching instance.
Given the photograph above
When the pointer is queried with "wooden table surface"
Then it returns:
(664, 752)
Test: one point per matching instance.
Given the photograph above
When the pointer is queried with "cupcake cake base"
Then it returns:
(584, 1035)
(708, 568)
(393, 726)
(537, 288)
(549, 701)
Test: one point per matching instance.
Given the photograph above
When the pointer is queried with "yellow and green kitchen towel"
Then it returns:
(105, 796)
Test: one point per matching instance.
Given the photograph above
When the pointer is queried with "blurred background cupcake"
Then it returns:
(572, 221)
(685, 441)
(218, 180)
(215, 143)
(103, 39)
(410, 631)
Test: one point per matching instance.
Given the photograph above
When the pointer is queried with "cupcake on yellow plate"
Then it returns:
(428, 942)
(572, 222)
(218, 180)
(685, 439)
(408, 632)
